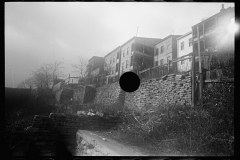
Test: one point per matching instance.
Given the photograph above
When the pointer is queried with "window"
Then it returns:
(127, 64)
(110, 60)
(182, 45)
(162, 49)
(157, 52)
(113, 59)
(123, 52)
(156, 63)
(123, 65)
(190, 42)
(127, 50)
(161, 62)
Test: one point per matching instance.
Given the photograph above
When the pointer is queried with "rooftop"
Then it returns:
(94, 57)
(184, 35)
(223, 11)
(112, 51)
(174, 36)
(143, 38)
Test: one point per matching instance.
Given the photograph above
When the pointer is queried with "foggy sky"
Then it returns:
(44, 32)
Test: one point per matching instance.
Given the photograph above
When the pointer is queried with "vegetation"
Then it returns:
(183, 130)
(81, 67)
(44, 77)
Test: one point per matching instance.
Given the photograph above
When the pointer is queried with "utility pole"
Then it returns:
(200, 68)
(135, 48)
(193, 79)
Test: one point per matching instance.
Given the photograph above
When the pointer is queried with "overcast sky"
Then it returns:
(44, 32)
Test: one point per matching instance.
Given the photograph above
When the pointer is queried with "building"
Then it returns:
(184, 47)
(137, 54)
(166, 50)
(214, 35)
(112, 62)
(95, 66)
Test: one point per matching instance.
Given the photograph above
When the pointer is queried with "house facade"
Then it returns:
(214, 35)
(166, 50)
(112, 62)
(95, 66)
(184, 47)
(137, 54)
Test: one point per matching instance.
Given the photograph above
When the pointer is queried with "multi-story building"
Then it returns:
(95, 66)
(184, 47)
(166, 50)
(137, 54)
(112, 62)
(214, 35)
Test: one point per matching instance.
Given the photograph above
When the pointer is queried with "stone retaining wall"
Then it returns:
(110, 94)
(78, 94)
(171, 89)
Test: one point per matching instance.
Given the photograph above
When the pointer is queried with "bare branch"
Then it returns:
(81, 67)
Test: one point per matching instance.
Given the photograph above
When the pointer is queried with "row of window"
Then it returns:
(189, 43)
(112, 60)
(162, 49)
(162, 61)
(168, 58)
(127, 64)
(124, 51)
(169, 46)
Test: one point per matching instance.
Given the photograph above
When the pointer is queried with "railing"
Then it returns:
(99, 80)
(164, 69)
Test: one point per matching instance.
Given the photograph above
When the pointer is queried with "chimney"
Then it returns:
(222, 8)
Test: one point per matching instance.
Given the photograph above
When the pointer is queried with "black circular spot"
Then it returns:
(129, 81)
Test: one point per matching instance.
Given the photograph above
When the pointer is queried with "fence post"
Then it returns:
(193, 80)
(200, 68)
(69, 79)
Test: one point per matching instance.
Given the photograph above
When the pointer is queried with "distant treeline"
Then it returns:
(16, 98)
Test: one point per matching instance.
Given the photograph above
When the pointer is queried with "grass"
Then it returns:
(206, 130)
(150, 148)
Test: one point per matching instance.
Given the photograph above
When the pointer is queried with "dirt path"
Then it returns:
(144, 148)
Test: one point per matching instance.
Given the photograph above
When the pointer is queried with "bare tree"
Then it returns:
(45, 76)
(81, 67)
(28, 83)
(55, 70)
(42, 77)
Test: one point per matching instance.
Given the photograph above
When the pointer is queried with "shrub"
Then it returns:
(206, 130)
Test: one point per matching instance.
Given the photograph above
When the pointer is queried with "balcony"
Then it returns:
(210, 31)
(195, 38)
